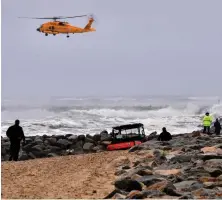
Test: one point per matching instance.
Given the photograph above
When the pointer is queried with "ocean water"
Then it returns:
(91, 115)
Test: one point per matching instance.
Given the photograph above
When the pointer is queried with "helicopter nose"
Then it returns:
(38, 29)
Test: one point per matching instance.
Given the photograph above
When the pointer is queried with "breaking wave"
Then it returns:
(90, 117)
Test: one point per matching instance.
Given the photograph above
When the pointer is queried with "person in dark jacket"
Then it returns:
(16, 135)
(164, 136)
(217, 127)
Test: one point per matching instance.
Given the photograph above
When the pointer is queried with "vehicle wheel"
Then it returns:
(67, 36)
(46, 34)
(54, 34)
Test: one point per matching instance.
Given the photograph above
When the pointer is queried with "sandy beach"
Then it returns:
(78, 176)
(188, 166)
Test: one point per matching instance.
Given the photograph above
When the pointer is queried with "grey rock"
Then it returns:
(119, 196)
(99, 148)
(89, 140)
(39, 154)
(149, 180)
(136, 148)
(206, 194)
(152, 193)
(135, 194)
(63, 143)
(128, 185)
(152, 135)
(24, 156)
(59, 137)
(214, 172)
(140, 170)
(116, 193)
(196, 172)
(38, 140)
(52, 141)
(181, 158)
(28, 147)
(184, 186)
(5, 144)
(126, 167)
(5, 158)
(120, 172)
(187, 196)
(3, 151)
(28, 140)
(68, 135)
(88, 146)
(206, 157)
(73, 138)
(38, 148)
(52, 155)
(213, 163)
(96, 137)
(79, 144)
(81, 137)
(54, 149)
(196, 186)
(194, 146)
(31, 155)
(105, 136)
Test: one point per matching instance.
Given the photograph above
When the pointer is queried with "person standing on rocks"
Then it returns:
(165, 135)
(16, 135)
(207, 120)
(217, 127)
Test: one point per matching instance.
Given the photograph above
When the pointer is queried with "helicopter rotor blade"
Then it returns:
(61, 17)
(37, 17)
(56, 17)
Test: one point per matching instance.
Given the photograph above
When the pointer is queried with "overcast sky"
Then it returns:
(140, 47)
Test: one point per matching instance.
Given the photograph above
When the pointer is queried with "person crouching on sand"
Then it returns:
(165, 135)
(15, 134)
(207, 120)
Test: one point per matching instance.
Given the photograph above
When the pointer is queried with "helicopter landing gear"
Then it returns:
(46, 34)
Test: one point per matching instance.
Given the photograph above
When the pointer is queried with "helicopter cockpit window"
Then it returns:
(61, 23)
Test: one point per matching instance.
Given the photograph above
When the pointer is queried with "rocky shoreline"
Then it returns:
(57, 145)
(187, 167)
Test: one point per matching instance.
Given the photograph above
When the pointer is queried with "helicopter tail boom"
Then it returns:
(88, 26)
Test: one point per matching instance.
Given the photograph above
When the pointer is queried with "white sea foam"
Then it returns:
(90, 116)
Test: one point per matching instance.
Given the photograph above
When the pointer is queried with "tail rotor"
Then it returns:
(93, 17)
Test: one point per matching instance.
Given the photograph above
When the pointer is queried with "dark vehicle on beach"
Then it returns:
(126, 136)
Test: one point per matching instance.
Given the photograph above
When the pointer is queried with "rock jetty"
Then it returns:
(57, 145)
(187, 167)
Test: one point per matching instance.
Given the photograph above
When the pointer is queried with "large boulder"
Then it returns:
(128, 185)
(81, 137)
(52, 141)
(88, 146)
(96, 137)
(38, 140)
(149, 180)
(105, 136)
(63, 143)
(73, 138)
(38, 147)
(185, 186)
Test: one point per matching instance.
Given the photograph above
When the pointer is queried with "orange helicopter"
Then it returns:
(58, 27)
